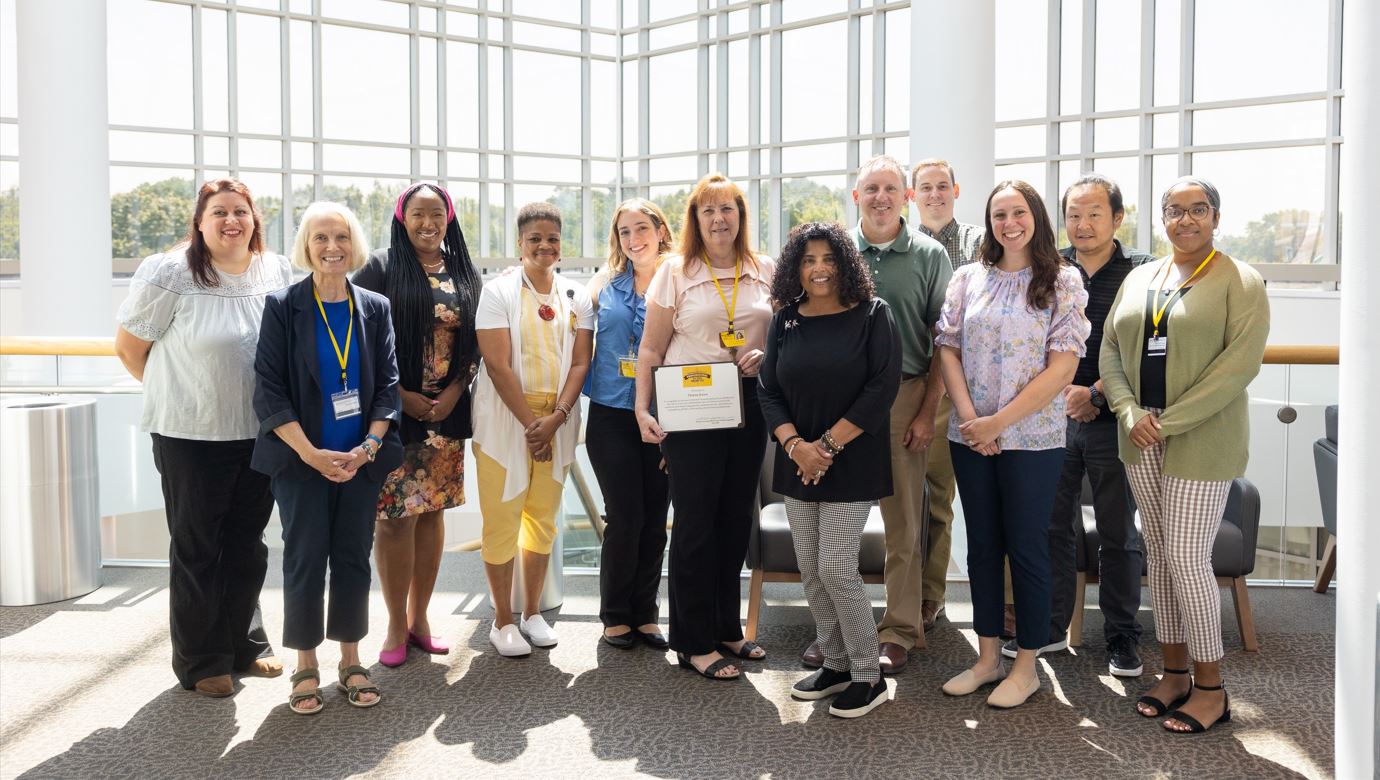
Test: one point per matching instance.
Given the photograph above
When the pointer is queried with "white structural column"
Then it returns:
(952, 94)
(1358, 448)
(64, 168)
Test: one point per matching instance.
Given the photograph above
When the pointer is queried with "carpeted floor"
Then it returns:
(85, 692)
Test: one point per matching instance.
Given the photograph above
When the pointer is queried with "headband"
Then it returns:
(410, 191)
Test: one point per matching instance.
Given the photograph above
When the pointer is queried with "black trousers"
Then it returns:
(325, 523)
(713, 486)
(217, 508)
(1091, 448)
(637, 494)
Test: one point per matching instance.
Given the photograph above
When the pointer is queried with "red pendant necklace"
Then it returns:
(544, 309)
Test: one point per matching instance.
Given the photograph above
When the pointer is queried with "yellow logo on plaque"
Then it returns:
(696, 376)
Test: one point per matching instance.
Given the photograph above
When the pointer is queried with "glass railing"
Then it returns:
(1287, 404)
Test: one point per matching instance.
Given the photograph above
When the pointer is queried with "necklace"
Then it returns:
(544, 309)
(433, 267)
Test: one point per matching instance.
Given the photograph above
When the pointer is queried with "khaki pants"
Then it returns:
(940, 476)
(902, 515)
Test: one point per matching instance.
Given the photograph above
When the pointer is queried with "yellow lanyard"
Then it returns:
(1160, 309)
(343, 357)
(730, 309)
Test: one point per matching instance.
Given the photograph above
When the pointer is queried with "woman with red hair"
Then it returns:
(188, 331)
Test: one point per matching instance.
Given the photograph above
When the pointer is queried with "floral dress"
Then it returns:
(432, 475)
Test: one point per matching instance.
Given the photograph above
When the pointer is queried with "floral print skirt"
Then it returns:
(431, 478)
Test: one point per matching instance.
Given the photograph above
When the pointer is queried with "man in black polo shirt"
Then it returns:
(1093, 210)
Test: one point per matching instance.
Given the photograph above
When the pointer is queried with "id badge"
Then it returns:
(732, 339)
(1156, 346)
(346, 404)
(627, 366)
(572, 322)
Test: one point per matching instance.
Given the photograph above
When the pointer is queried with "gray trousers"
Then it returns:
(827, 537)
(1091, 448)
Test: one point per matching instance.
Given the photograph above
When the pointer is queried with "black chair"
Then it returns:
(771, 551)
(1325, 461)
(1233, 557)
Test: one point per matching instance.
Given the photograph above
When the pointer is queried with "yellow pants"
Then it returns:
(528, 520)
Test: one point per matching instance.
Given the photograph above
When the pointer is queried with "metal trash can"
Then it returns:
(50, 517)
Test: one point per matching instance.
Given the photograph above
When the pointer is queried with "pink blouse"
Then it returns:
(1004, 344)
(699, 314)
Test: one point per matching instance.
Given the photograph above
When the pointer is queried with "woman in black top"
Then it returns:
(432, 287)
(831, 371)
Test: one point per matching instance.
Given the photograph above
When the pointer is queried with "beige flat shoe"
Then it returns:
(268, 666)
(217, 687)
(1011, 694)
(966, 682)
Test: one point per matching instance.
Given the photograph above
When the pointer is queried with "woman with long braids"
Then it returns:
(432, 287)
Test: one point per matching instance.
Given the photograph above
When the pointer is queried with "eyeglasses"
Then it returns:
(1198, 211)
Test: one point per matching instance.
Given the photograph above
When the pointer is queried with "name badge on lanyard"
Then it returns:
(1157, 346)
(346, 404)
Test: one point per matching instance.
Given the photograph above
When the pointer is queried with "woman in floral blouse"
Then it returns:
(1010, 335)
(432, 287)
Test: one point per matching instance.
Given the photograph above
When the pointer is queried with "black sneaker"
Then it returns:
(1010, 648)
(823, 683)
(859, 699)
(1123, 657)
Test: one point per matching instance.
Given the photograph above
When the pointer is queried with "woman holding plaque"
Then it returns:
(711, 304)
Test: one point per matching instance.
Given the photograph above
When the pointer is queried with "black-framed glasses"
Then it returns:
(1198, 211)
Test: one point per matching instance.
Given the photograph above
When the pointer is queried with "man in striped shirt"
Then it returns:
(935, 193)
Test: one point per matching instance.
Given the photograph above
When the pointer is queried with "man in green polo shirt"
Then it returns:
(911, 272)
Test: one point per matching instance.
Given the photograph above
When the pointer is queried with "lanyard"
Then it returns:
(1158, 314)
(343, 357)
(730, 309)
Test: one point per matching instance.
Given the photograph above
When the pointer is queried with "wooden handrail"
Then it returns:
(58, 345)
(1298, 355)
(1302, 355)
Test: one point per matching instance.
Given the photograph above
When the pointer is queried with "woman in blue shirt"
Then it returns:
(327, 400)
(635, 486)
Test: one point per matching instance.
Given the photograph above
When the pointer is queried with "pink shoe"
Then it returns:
(395, 657)
(428, 644)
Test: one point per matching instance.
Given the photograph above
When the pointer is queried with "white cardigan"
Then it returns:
(496, 430)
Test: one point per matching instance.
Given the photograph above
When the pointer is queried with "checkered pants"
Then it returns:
(827, 536)
(1179, 520)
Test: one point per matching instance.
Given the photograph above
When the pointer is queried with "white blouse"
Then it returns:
(199, 379)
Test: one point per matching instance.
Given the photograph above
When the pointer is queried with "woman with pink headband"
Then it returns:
(432, 287)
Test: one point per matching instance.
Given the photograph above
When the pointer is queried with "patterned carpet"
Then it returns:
(85, 692)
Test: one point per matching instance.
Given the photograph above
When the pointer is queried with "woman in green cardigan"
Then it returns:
(1184, 338)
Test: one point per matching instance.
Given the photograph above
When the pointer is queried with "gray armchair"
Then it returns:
(1325, 460)
(1233, 557)
(771, 550)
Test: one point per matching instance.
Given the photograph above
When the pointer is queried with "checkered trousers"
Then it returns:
(827, 536)
(1179, 520)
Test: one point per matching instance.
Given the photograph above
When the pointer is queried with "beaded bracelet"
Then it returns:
(792, 443)
(830, 444)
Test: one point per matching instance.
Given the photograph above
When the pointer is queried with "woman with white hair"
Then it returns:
(327, 402)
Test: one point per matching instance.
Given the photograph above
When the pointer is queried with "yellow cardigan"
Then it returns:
(1216, 342)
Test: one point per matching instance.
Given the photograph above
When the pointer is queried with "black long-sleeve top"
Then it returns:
(819, 369)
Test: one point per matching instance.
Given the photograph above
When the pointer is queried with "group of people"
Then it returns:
(889, 364)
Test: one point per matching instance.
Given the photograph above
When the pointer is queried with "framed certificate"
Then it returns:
(699, 396)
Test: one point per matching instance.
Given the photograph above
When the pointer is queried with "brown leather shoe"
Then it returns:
(217, 687)
(1008, 629)
(930, 612)
(269, 666)
(813, 657)
(892, 657)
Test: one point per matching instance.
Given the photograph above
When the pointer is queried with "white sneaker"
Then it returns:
(537, 630)
(508, 641)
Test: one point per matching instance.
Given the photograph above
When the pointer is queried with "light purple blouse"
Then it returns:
(1003, 343)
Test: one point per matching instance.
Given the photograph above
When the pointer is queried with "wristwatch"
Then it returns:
(1096, 398)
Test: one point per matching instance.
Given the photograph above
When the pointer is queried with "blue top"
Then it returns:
(340, 435)
(622, 313)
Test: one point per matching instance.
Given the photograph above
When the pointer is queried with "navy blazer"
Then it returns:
(288, 378)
